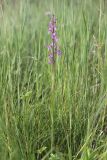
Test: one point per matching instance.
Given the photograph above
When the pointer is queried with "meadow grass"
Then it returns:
(69, 122)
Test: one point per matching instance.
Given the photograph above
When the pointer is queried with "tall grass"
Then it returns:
(71, 122)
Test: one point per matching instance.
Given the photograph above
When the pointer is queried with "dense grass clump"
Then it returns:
(68, 122)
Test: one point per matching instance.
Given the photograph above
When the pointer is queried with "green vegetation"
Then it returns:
(69, 122)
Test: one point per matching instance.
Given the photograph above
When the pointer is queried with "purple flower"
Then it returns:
(53, 46)
(51, 59)
(53, 36)
(59, 53)
(56, 39)
(50, 56)
(49, 47)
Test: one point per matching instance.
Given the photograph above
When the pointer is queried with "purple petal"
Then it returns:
(53, 45)
(50, 56)
(53, 36)
(49, 47)
(59, 53)
(54, 28)
(56, 39)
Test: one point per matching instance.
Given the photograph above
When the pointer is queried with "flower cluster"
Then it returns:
(53, 48)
